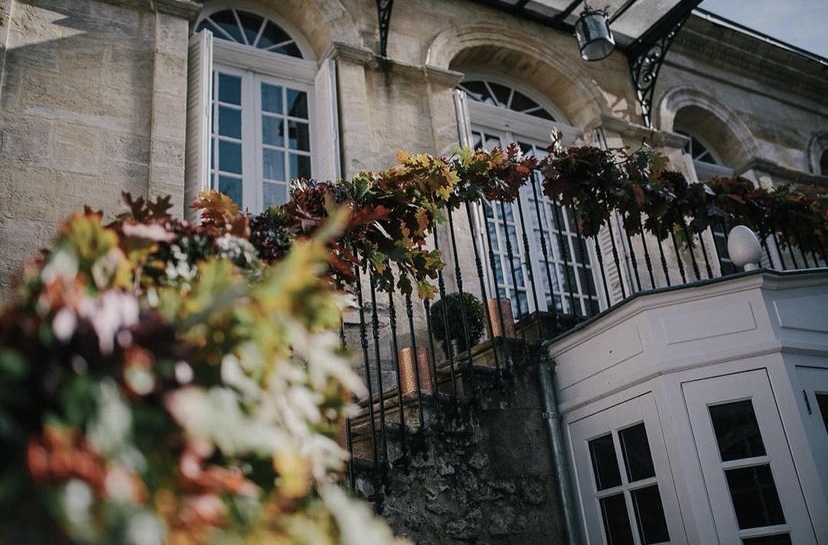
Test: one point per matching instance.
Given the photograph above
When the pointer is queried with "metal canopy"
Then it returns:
(643, 30)
(630, 20)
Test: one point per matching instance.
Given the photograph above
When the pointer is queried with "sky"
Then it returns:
(801, 23)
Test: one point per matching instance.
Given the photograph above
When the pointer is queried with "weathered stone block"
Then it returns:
(26, 140)
(76, 148)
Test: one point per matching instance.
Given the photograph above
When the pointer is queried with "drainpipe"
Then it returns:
(553, 422)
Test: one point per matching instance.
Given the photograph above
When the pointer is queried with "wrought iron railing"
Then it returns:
(537, 277)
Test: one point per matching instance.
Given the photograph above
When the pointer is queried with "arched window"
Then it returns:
(250, 29)
(705, 159)
(533, 237)
(263, 107)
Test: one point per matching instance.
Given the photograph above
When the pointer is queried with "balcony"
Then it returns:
(536, 276)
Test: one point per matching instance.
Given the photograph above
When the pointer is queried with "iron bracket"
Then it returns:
(384, 15)
(647, 54)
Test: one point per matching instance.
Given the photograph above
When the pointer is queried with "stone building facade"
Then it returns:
(159, 97)
(94, 96)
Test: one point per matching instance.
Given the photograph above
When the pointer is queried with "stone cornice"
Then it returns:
(366, 57)
(748, 56)
(778, 171)
(634, 131)
(185, 9)
(350, 53)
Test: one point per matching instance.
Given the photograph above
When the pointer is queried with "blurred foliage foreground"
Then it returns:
(160, 384)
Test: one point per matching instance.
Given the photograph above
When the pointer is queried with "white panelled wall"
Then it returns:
(730, 382)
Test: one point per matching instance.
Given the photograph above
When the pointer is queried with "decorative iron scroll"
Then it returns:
(384, 14)
(647, 54)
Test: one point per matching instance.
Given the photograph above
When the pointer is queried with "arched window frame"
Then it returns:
(496, 224)
(706, 160)
(818, 154)
(317, 79)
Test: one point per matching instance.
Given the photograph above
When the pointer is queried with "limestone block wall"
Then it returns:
(92, 104)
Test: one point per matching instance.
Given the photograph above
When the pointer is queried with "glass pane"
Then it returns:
(521, 102)
(232, 187)
(251, 23)
(649, 515)
(229, 89)
(501, 92)
(272, 35)
(274, 194)
(477, 91)
(491, 142)
(229, 120)
(604, 462)
(737, 431)
(227, 21)
(754, 497)
(273, 131)
(299, 166)
(289, 49)
(230, 157)
(822, 403)
(636, 452)
(271, 98)
(297, 103)
(616, 521)
(273, 164)
(782, 539)
(299, 135)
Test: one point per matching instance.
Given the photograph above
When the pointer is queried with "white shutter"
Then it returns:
(326, 166)
(199, 116)
(461, 107)
(615, 276)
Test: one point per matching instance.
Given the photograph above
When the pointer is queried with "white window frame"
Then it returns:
(318, 79)
(511, 126)
(255, 66)
(813, 381)
(754, 385)
(612, 420)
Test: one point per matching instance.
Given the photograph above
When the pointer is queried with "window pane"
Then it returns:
(273, 164)
(229, 89)
(274, 194)
(232, 187)
(782, 539)
(649, 515)
(272, 35)
(737, 431)
(230, 157)
(636, 452)
(754, 497)
(229, 120)
(501, 92)
(822, 403)
(604, 462)
(616, 521)
(227, 21)
(477, 91)
(299, 135)
(273, 131)
(299, 166)
(297, 103)
(251, 23)
(271, 98)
